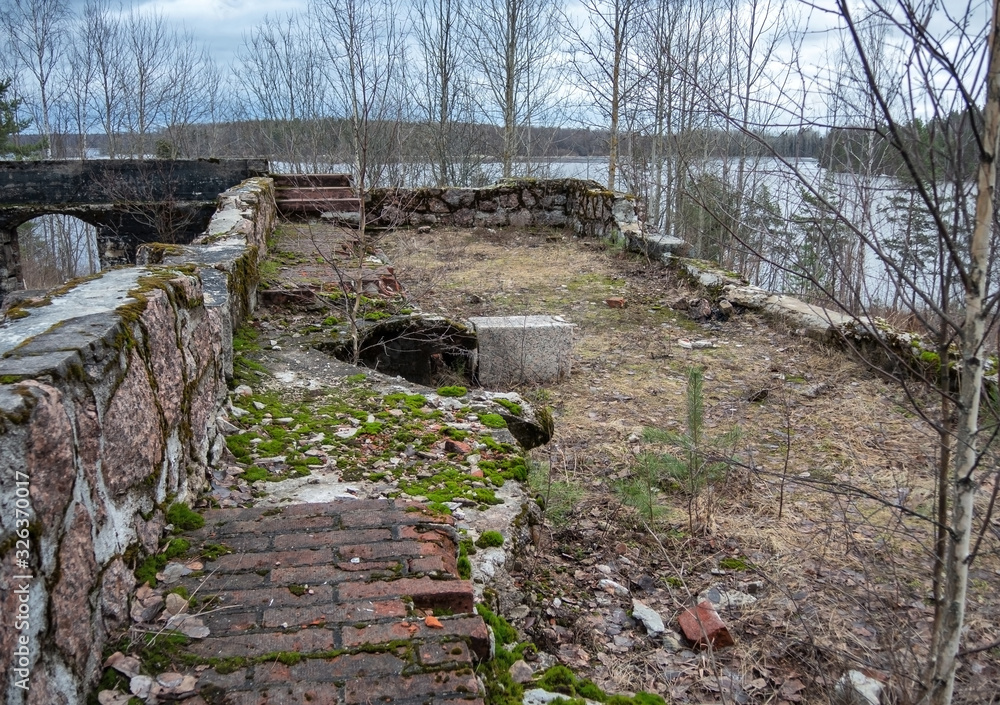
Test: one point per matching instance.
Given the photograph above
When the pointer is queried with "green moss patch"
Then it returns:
(183, 518)
(490, 539)
(452, 391)
(492, 421)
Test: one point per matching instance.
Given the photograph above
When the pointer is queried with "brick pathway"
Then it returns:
(326, 604)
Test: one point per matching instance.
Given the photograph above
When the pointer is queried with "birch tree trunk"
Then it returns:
(948, 635)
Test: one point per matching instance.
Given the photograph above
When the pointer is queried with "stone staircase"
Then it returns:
(331, 196)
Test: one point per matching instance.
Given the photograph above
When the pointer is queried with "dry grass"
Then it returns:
(846, 578)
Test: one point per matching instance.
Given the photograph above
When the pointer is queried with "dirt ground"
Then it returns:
(804, 522)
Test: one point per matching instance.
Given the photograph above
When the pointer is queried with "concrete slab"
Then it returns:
(517, 349)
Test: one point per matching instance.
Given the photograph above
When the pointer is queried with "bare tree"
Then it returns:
(282, 70)
(36, 32)
(103, 32)
(936, 129)
(144, 81)
(604, 62)
(366, 51)
(439, 30)
(513, 47)
(74, 108)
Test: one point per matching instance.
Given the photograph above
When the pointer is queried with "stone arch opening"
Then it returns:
(53, 248)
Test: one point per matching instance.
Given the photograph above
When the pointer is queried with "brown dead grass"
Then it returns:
(845, 577)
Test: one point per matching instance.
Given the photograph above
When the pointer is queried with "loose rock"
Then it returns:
(521, 672)
(649, 618)
(856, 688)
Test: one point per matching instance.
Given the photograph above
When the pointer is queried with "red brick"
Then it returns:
(277, 597)
(702, 625)
(227, 681)
(279, 525)
(349, 666)
(311, 575)
(436, 535)
(365, 610)
(213, 516)
(454, 595)
(431, 564)
(317, 508)
(250, 645)
(230, 622)
(388, 549)
(371, 518)
(288, 694)
(331, 538)
(241, 543)
(372, 690)
(271, 672)
(295, 616)
(234, 562)
(352, 637)
(472, 629)
(440, 653)
(357, 520)
(214, 584)
(382, 566)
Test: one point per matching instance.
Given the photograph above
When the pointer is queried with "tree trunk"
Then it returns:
(942, 677)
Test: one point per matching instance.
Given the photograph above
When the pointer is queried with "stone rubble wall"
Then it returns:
(583, 206)
(107, 417)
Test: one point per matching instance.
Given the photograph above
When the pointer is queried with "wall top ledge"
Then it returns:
(102, 294)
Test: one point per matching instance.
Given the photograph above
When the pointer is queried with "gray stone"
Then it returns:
(855, 688)
(724, 599)
(649, 618)
(521, 672)
(609, 585)
(140, 686)
(522, 349)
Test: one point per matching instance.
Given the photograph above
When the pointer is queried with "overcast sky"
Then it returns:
(219, 24)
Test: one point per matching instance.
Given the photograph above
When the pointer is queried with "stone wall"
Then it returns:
(109, 391)
(121, 198)
(585, 207)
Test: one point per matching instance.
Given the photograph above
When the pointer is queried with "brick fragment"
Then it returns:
(703, 626)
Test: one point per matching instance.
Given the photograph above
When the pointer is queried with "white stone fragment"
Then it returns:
(856, 687)
(649, 618)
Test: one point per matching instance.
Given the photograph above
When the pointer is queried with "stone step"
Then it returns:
(318, 205)
(311, 180)
(293, 193)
